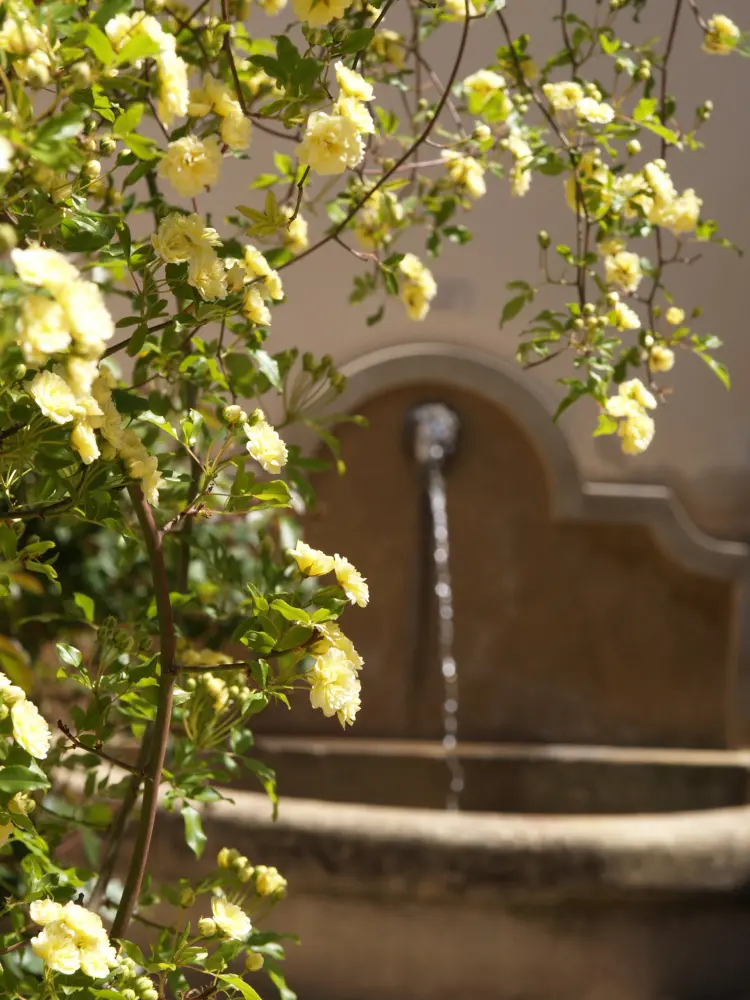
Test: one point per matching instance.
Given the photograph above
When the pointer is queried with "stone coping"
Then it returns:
(338, 847)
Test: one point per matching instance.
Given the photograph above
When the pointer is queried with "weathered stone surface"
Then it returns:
(581, 633)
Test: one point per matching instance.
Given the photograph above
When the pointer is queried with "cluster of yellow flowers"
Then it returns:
(28, 45)
(267, 880)
(624, 269)
(585, 101)
(333, 142)
(419, 289)
(172, 69)
(377, 217)
(465, 172)
(124, 442)
(636, 427)
(191, 164)
(214, 96)
(30, 731)
(183, 239)
(722, 35)
(73, 938)
(334, 684)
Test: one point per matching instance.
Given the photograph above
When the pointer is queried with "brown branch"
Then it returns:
(28, 513)
(667, 54)
(404, 158)
(227, 47)
(139, 860)
(14, 947)
(378, 20)
(96, 749)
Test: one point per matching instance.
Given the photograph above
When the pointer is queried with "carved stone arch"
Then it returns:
(585, 613)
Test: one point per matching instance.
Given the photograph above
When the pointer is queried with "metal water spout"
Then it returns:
(435, 428)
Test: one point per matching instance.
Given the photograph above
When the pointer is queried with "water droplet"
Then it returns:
(449, 668)
(457, 784)
(449, 742)
(451, 706)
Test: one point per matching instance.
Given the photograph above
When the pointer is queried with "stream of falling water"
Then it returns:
(444, 593)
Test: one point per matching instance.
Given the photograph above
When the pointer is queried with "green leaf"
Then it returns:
(100, 45)
(86, 604)
(138, 47)
(69, 654)
(274, 493)
(606, 425)
(128, 120)
(512, 308)
(143, 147)
(269, 367)
(645, 108)
(290, 613)
(357, 40)
(195, 838)
(108, 9)
(16, 778)
(239, 984)
(8, 542)
(719, 369)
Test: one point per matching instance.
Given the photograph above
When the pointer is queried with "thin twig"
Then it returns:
(404, 158)
(375, 24)
(227, 47)
(139, 860)
(300, 189)
(667, 53)
(96, 749)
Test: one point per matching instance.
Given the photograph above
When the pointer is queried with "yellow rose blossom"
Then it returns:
(214, 96)
(43, 329)
(231, 919)
(674, 315)
(83, 440)
(351, 581)
(81, 374)
(563, 96)
(484, 83)
(207, 273)
(255, 262)
(331, 635)
(43, 268)
(235, 130)
(331, 143)
(379, 214)
(318, 13)
(520, 180)
(637, 433)
(53, 396)
(610, 246)
(180, 236)
(630, 394)
(660, 358)
(388, 46)
(274, 286)
(30, 730)
(88, 317)
(625, 318)
(236, 274)
(268, 881)
(272, 7)
(72, 939)
(465, 172)
(353, 84)
(310, 561)
(173, 87)
(255, 308)
(596, 112)
(624, 269)
(18, 37)
(334, 686)
(721, 36)
(355, 112)
(36, 69)
(265, 445)
(420, 288)
(295, 232)
(191, 164)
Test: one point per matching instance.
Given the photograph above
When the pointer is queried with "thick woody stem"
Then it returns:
(139, 861)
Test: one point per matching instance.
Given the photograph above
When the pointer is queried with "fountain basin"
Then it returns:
(549, 779)
(406, 904)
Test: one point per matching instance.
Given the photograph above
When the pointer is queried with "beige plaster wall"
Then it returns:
(702, 446)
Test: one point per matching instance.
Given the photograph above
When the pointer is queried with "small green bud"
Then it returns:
(543, 239)
(589, 309)
(620, 65)
(481, 132)
(80, 75)
(207, 927)
(187, 897)
(19, 373)
(253, 962)
(612, 298)
(8, 237)
(633, 147)
(578, 323)
(143, 983)
(153, 6)
(226, 857)
(107, 145)
(648, 340)
(92, 169)
(128, 994)
(704, 111)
